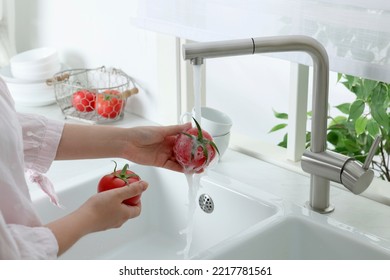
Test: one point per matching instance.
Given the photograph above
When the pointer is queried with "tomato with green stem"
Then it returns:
(194, 149)
(119, 179)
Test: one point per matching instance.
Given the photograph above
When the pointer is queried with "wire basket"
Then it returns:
(93, 95)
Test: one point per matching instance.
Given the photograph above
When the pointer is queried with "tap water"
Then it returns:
(193, 179)
(197, 92)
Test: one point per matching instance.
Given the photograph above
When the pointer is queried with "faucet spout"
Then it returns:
(319, 183)
(197, 52)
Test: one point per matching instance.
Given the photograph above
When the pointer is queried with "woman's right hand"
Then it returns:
(100, 212)
(106, 210)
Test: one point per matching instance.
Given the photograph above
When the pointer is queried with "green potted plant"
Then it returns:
(353, 131)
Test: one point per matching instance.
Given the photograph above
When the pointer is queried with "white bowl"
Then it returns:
(29, 93)
(222, 143)
(35, 64)
(32, 95)
(5, 73)
(35, 75)
(34, 57)
(212, 120)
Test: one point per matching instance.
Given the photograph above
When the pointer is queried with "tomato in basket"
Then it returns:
(109, 103)
(84, 100)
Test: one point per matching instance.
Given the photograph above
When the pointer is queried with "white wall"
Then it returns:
(249, 87)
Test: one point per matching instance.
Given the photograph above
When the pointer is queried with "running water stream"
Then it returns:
(197, 92)
(193, 179)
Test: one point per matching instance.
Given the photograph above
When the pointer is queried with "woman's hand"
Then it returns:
(148, 145)
(100, 212)
(106, 210)
(153, 145)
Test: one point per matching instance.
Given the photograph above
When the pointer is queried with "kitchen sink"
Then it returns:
(238, 221)
(156, 233)
(302, 234)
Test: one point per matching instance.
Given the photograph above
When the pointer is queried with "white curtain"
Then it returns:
(7, 29)
(356, 33)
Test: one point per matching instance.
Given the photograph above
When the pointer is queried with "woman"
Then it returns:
(33, 142)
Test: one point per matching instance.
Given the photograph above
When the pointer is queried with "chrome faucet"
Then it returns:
(322, 165)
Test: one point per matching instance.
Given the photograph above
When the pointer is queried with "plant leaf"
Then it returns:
(278, 127)
(380, 115)
(284, 142)
(334, 138)
(308, 139)
(339, 76)
(372, 128)
(283, 116)
(351, 146)
(344, 108)
(379, 106)
(337, 121)
(360, 125)
(387, 147)
(356, 110)
(368, 87)
(349, 81)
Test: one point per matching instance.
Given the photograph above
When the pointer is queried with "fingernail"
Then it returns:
(144, 185)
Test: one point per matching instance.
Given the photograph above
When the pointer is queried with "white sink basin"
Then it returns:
(302, 235)
(155, 234)
(247, 223)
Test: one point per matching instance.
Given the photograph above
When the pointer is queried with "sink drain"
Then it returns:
(206, 203)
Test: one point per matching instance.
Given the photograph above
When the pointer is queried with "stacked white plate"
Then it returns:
(27, 74)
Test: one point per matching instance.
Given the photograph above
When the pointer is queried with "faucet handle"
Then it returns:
(372, 151)
(355, 178)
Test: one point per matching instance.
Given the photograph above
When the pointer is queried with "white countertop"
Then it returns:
(354, 210)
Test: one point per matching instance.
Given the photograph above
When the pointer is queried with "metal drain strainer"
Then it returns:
(206, 203)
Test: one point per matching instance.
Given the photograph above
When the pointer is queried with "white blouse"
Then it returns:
(26, 142)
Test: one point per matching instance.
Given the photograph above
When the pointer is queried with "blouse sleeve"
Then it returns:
(41, 138)
(22, 242)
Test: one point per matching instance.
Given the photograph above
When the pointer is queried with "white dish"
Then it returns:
(222, 143)
(5, 73)
(32, 95)
(35, 74)
(215, 122)
(35, 64)
(27, 93)
(34, 57)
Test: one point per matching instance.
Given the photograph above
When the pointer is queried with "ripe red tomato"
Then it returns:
(194, 149)
(109, 104)
(118, 179)
(84, 100)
